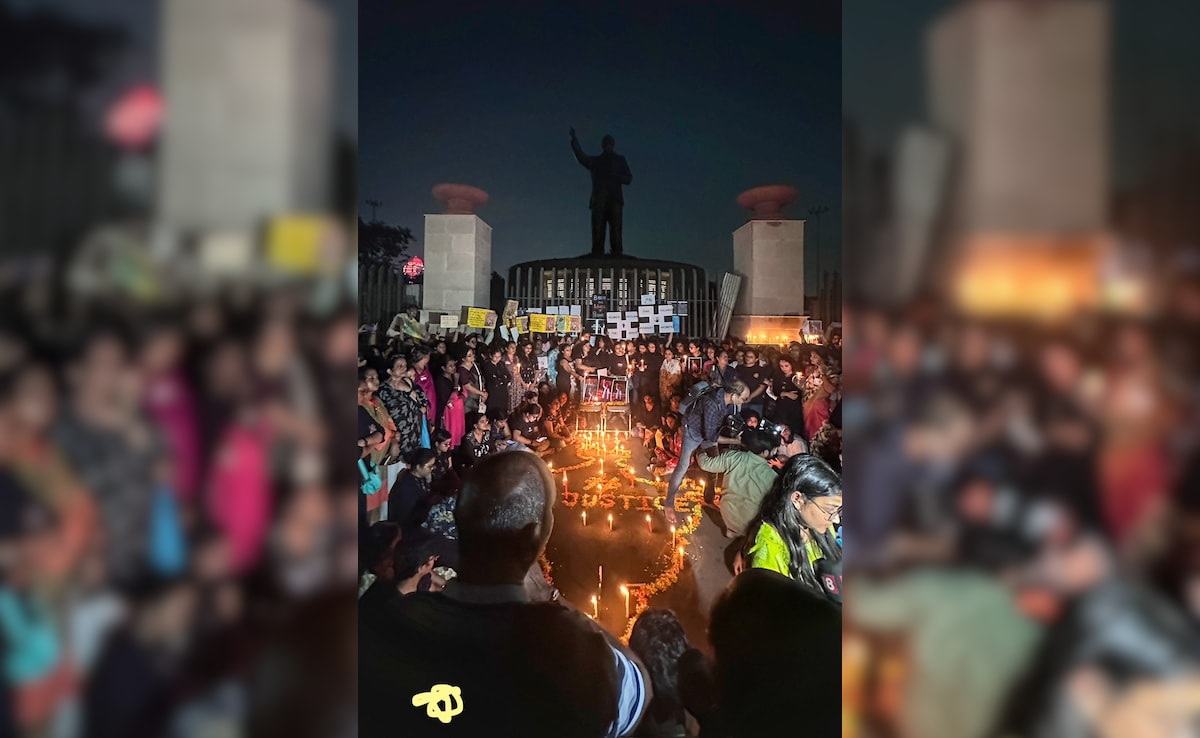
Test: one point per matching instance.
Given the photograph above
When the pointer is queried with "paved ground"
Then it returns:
(631, 552)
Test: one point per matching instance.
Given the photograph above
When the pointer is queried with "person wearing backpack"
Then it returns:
(703, 414)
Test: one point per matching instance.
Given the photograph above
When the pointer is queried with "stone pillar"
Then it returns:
(458, 251)
(768, 252)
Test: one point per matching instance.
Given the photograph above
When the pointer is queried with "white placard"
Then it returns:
(666, 310)
(631, 315)
(449, 321)
(612, 317)
(645, 311)
(551, 310)
(646, 329)
(648, 299)
(575, 310)
(543, 362)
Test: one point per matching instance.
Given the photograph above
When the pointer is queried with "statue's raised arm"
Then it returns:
(581, 157)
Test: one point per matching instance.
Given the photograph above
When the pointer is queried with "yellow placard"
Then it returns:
(294, 243)
(474, 317)
(538, 323)
(576, 324)
(564, 323)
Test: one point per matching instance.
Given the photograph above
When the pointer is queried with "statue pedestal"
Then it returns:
(458, 262)
(769, 254)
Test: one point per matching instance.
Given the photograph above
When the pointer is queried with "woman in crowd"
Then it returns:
(670, 378)
(470, 379)
(569, 380)
(412, 495)
(658, 639)
(786, 382)
(496, 380)
(368, 385)
(554, 424)
(586, 364)
(406, 404)
(512, 362)
(794, 531)
(668, 444)
(423, 377)
(818, 387)
(453, 412)
(529, 374)
(710, 359)
(694, 363)
(445, 479)
(476, 443)
(789, 445)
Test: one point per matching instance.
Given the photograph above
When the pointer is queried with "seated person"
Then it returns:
(501, 648)
(668, 444)
(501, 435)
(526, 431)
(748, 479)
(647, 418)
(789, 445)
(445, 479)
(659, 640)
(477, 443)
(554, 425)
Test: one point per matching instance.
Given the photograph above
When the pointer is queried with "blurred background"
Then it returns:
(1021, 387)
(178, 320)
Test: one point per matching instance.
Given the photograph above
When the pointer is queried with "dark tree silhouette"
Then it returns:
(383, 244)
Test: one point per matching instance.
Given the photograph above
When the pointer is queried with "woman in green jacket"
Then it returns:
(794, 529)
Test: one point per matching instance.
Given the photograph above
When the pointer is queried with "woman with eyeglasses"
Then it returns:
(794, 533)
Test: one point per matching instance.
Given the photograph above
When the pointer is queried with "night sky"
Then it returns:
(705, 101)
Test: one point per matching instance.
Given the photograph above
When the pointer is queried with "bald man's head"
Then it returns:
(505, 511)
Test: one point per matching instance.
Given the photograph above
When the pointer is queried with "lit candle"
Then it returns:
(625, 591)
(601, 576)
(649, 525)
(672, 535)
(610, 522)
(551, 467)
(595, 607)
(681, 555)
(585, 518)
(564, 481)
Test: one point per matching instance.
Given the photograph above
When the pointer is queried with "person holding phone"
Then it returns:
(526, 430)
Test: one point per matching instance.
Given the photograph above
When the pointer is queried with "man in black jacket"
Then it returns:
(498, 652)
(609, 171)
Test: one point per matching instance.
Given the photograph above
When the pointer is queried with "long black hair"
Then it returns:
(813, 478)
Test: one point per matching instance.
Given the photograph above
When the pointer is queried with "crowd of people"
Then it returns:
(1024, 524)
(454, 522)
(173, 520)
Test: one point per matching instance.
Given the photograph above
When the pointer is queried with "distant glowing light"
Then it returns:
(414, 268)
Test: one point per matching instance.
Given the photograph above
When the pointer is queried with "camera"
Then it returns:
(770, 429)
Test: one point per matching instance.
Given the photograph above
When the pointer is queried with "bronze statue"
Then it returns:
(609, 171)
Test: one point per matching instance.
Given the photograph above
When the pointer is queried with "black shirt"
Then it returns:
(754, 376)
(517, 423)
(522, 669)
(618, 366)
